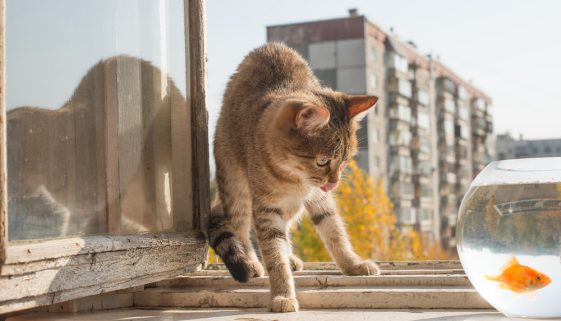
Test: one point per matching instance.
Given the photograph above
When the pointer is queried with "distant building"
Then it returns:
(510, 148)
(431, 131)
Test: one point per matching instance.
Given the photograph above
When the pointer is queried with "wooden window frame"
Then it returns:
(41, 273)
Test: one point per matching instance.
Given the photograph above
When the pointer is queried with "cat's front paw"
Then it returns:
(365, 267)
(256, 269)
(295, 263)
(284, 304)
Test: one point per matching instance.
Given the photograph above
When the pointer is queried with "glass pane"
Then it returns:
(90, 90)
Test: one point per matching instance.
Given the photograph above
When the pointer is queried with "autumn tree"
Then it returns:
(371, 223)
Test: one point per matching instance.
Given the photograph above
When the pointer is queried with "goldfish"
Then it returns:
(520, 278)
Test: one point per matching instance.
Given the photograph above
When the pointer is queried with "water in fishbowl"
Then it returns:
(509, 238)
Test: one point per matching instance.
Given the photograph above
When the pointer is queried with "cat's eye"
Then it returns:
(323, 161)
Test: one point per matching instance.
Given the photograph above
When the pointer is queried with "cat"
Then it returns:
(281, 143)
(58, 159)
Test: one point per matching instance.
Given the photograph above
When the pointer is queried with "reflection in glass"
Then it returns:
(90, 96)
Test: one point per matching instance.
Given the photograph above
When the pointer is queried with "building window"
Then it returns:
(462, 93)
(423, 97)
(372, 54)
(400, 163)
(401, 112)
(425, 168)
(462, 131)
(426, 214)
(425, 144)
(399, 63)
(407, 215)
(547, 150)
(377, 162)
(449, 105)
(404, 88)
(401, 138)
(480, 104)
(449, 128)
(372, 80)
(375, 135)
(423, 120)
(463, 112)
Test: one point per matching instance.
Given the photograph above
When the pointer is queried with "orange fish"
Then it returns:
(520, 278)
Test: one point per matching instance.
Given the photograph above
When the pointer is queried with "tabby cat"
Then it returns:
(281, 143)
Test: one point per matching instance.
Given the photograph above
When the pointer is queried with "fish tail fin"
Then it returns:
(492, 278)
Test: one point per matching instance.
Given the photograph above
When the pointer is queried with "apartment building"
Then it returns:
(509, 148)
(420, 139)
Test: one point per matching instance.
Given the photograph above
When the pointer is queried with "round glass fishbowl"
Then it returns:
(509, 236)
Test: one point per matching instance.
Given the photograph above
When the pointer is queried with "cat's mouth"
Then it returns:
(329, 186)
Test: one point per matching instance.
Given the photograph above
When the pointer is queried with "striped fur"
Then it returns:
(281, 137)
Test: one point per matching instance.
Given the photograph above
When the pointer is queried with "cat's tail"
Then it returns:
(228, 246)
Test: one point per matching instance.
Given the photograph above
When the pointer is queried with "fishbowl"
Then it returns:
(509, 236)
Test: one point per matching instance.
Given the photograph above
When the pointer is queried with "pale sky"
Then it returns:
(510, 49)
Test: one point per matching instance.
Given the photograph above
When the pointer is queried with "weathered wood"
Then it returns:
(314, 298)
(323, 281)
(112, 187)
(384, 265)
(102, 272)
(107, 301)
(3, 159)
(199, 115)
(54, 249)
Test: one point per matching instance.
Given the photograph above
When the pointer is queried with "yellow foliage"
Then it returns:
(371, 223)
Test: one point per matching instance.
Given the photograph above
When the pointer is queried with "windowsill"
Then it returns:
(263, 314)
(404, 291)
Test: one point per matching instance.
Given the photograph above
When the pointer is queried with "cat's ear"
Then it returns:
(310, 117)
(358, 106)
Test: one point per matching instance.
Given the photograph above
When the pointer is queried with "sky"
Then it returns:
(509, 48)
(50, 48)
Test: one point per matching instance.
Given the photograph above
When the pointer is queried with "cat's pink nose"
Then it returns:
(329, 186)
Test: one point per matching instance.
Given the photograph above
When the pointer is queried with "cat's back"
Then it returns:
(271, 67)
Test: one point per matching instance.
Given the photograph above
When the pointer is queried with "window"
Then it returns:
(462, 93)
(401, 138)
(404, 88)
(407, 189)
(372, 54)
(372, 80)
(407, 215)
(401, 112)
(426, 214)
(423, 97)
(377, 162)
(449, 105)
(547, 150)
(449, 85)
(462, 131)
(426, 191)
(425, 144)
(480, 104)
(425, 168)
(100, 172)
(423, 120)
(399, 63)
(375, 135)
(400, 163)
(463, 112)
(449, 128)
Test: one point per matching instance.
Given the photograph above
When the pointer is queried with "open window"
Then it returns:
(103, 146)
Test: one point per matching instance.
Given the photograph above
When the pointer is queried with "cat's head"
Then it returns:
(318, 135)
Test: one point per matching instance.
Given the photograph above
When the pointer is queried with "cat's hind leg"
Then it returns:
(230, 225)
